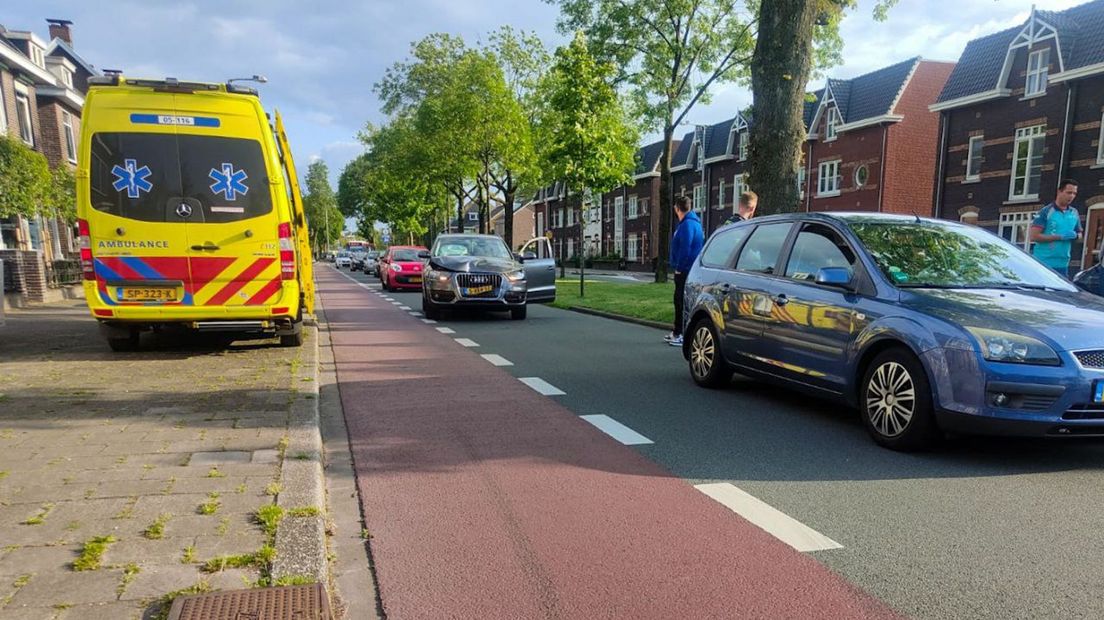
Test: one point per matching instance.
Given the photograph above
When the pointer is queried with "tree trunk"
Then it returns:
(779, 73)
(663, 209)
(508, 215)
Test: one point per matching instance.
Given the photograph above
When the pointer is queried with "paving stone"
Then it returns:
(154, 582)
(144, 552)
(207, 459)
(12, 612)
(121, 610)
(94, 586)
(37, 560)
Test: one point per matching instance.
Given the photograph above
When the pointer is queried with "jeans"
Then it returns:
(680, 290)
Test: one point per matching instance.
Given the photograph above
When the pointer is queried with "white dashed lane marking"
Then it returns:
(404, 308)
(542, 386)
(446, 330)
(497, 360)
(617, 430)
(771, 520)
(429, 321)
(466, 342)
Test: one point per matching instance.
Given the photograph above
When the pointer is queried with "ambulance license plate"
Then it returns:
(147, 294)
(1098, 391)
(477, 290)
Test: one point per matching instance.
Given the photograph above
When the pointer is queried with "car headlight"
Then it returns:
(436, 276)
(514, 276)
(395, 267)
(1000, 346)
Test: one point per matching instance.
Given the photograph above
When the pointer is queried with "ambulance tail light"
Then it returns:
(86, 250)
(287, 253)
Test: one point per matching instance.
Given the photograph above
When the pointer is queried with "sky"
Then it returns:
(322, 58)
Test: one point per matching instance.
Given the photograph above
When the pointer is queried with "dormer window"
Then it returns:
(36, 56)
(830, 128)
(1037, 64)
(67, 78)
(743, 145)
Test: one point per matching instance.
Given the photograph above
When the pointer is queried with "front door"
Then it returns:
(1094, 236)
(750, 307)
(540, 272)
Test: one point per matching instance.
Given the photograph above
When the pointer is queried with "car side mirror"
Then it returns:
(423, 253)
(839, 277)
(528, 256)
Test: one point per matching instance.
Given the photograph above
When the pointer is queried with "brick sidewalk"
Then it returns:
(169, 451)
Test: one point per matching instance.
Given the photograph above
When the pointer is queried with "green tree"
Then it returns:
(25, 181)
(586, 138)
(325, 222)
(786, 53)
(61, 200)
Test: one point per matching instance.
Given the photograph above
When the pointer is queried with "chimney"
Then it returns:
(59, 29)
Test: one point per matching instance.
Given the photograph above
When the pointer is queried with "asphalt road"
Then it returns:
(982, 528)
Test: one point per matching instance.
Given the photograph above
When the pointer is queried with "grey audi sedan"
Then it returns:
(479, 272)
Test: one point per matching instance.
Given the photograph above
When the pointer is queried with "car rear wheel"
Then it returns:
(130, 342)
(518, 314)
(707, 366)
(896, 402)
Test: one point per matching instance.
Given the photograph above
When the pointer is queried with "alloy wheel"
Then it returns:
(702, 351)
(890, 399)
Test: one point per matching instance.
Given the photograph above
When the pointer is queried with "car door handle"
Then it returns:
(210, 247)
(780, 300)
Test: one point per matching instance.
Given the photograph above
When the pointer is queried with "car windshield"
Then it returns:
(925, 254)
(491, 247)
(405, 256)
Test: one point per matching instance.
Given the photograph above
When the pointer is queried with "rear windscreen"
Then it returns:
(178, 178)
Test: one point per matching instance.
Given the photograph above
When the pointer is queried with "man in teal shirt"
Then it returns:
(1056, 227)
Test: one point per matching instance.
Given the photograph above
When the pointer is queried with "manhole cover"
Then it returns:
(286, 603)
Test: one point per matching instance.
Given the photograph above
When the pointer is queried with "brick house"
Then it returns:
(627, 216)
(872, 140)
(1022, 110)
(524, 223)
(42, 88)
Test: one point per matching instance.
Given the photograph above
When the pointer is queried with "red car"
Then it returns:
(400, 268)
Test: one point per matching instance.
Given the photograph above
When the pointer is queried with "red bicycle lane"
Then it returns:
(484, 499)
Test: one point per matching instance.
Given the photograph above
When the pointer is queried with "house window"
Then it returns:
(973, 159)
(632, 207)
(571, 217)
(738, 188)
(828, 179)
(862, 175)
(632, 248)
(833, 121)
(1027, 162)
(540, 224)
(801, 181)
(699, 190)
(1015, 227)
(67, 77)
(643, 208)
(721, 194)
(1099, 143)
(743, 145)
(1037, 72)
(3, 113)
(37, 57)
(570, 247)
(23, 111)
(70, 139)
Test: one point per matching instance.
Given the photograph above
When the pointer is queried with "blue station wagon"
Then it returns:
(925, 326)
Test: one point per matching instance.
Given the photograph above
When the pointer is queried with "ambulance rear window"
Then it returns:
(178, 178)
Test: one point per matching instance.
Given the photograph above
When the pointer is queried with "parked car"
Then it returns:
(1092, 279)
(924, 325)
(401, 268)
(356, 260)
(343, 260)
(479, 272)
(369, 262)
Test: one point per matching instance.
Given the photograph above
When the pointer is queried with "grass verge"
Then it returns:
(643, 301)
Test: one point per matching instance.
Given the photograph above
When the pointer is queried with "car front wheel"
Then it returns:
(429, 310)
(896, 402)
(707, 366)
(518, 314)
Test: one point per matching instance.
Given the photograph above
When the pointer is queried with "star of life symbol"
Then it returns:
(229, 182)
(131, 178)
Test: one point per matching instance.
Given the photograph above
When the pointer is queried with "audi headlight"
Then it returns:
(395, 267)
(514, 276)
(1000, 346)
(433, 275)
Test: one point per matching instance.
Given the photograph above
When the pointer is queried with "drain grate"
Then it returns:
(285, 603)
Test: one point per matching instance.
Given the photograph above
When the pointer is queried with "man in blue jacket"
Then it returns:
(686, 244)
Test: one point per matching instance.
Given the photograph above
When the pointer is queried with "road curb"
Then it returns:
(620, 317)
(301, 537)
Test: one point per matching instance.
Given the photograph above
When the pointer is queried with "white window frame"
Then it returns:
(630, 251)
(721, 194)
(633, 204)
(540, 224)
(738, 187)
(473, 216)
(570, 217)
(699, 190)
(831, 123)
(642, 207)
(743, 145)
(570, 248)
(1100, 142)
(855, 178)
(828, 179)
(70, 137)
(37, 57)
(973, 173)
(1032, 136)
(1035, 82)
(67, 77)
(1018, 226)
(801, 181)
(3, 113)
(26, 124)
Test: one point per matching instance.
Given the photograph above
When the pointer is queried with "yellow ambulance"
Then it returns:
(189, 212)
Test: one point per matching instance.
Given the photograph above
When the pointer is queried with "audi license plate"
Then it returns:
(1098, 391)
(477, 290)
(147, 294)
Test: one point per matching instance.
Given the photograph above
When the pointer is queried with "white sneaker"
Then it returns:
(669, 337)
(675, 342)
